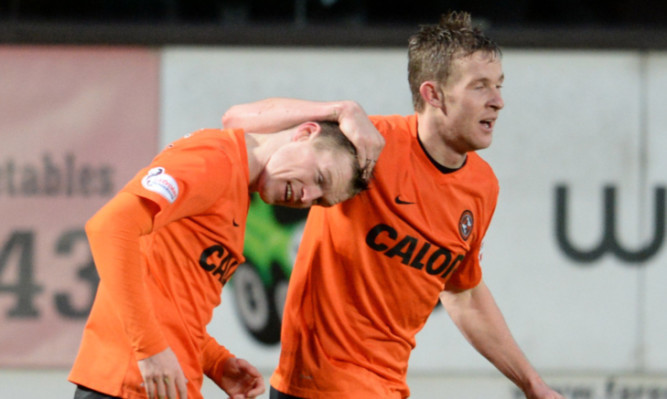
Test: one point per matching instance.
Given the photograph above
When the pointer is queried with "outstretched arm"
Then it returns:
(274, 114)
(481, 322)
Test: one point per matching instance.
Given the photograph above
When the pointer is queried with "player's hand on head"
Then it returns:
(356, 126)
(241, 380)
(163, 376)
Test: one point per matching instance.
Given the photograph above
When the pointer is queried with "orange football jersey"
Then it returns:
(200, 184)
(370, 270)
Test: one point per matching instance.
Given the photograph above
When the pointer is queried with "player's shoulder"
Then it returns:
(208, 141)
(203, 137)
(481, 170)
(475, 159)
(205, 149)
(394, 123)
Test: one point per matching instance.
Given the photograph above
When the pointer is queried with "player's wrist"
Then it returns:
(348, 109)
(534, 386)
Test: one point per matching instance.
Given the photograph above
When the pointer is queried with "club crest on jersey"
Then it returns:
(158, 181)
(465, 224)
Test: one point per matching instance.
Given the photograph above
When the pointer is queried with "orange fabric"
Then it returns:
(370, 270)
(114, 234)
(161, 288)
(214, 357)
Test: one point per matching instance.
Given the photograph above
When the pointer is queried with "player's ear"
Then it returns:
(432, 94)
(306, 130)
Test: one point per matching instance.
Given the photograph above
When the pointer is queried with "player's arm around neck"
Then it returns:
(275, 114)
(278, 113)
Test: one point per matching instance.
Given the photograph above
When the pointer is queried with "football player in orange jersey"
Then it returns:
(357, 300)
(170, 240)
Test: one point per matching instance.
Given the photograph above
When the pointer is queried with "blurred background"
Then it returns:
(614, 13)
(91, 91)
(568, 23)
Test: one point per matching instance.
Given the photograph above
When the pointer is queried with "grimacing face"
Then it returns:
(473, 99)
(299, 175)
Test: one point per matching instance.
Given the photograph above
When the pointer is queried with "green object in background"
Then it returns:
(260, 284)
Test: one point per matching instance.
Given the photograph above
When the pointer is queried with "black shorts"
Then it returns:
(86, 393)
(275, 394)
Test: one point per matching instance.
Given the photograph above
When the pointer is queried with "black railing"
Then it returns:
(577, 24)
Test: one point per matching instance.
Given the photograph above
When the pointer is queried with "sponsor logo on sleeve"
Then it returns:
(158, 181)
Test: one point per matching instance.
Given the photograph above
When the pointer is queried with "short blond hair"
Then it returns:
(433, 48)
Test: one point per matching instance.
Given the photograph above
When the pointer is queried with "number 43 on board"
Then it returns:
(17, 274)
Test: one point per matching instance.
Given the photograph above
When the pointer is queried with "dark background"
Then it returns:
(519, 23)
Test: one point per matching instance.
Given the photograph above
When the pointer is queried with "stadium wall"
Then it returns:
(575, 255)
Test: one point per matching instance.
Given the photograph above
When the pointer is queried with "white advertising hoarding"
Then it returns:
(569, 254)
(655, 273)
(570, 128)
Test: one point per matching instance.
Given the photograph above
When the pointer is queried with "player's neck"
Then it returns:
(433, 137)
(260, 147)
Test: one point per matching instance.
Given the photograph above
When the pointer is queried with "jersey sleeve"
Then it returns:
(214, 357)
(114, 233)
(469, 274)
(183, 180)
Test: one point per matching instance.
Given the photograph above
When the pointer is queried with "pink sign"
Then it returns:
(75, 124)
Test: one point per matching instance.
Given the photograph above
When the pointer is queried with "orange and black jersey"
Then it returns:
(199, 188)
(370, 270)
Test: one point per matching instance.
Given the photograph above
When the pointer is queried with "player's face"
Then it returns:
(299, 175)
(473, 100)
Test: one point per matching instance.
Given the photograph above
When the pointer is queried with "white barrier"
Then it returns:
(574, 124)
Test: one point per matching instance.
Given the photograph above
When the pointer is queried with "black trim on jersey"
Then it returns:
(441, 168)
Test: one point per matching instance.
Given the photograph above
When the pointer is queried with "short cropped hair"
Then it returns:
(332, 137)
(433, 48)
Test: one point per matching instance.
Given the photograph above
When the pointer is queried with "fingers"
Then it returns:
(255, 380)
(369, 147)
(149, 387)
(161, 387)
(166, 387)
(182, 387)
(367, 153)
(176, 386)
(361, 156)
(367, 169)
(257, 388)
(360, 130)
(163, 376)
(155, 387)
(248, 368)
(249, 382)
